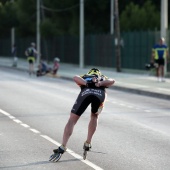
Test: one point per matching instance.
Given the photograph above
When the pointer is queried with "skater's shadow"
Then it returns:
(36, 163)
(68, 160)
(98, 152)
(45, 162)
(25, 165)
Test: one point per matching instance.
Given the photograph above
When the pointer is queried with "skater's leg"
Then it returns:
(67, 133)
(92, 127)
(69, 128)
(91, 130)
(31, 68)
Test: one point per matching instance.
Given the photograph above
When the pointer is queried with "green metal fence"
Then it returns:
(99, 50)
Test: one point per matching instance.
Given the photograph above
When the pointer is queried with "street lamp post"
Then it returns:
(117, 38)
(12, 33)
(111, 16)
(38, 32)
(164, 25)
(81, 35)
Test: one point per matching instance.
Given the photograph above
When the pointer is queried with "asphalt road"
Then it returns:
(133, 131)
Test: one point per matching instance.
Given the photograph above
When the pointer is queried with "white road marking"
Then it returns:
(25, 125)
(5, 113)
(147, 110)
(34, 130)
(132, 107)
(17, 121)
(11, 117)
(56, 143)
(73, 154)
(121, 104)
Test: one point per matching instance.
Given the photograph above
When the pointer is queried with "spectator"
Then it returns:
(159, 55)
(14, 55)
(55, 66)
(31, 54)
(42, 68)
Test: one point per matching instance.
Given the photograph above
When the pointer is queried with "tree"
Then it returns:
(63, 14)
(8, 18)
(135, 17)
(26, 14)
(97, 16)
(62, 18)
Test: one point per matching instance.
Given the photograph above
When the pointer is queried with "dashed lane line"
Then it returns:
(17, 121)
(34, 130)
(92, 165)
(129, 106)
(5, 113)
(25, 125)
(11, 117)
(73, 154)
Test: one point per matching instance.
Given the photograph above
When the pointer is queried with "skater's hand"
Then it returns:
(94, 79)
(98, 84)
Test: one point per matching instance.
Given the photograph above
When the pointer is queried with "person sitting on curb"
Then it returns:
(56, 66)
(43, 69)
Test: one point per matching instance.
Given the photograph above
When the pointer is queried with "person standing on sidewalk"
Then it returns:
(31, 54)
(93, 85)
(14, 55)
(159, 55)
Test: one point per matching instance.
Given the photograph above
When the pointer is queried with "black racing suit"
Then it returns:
(90, 94)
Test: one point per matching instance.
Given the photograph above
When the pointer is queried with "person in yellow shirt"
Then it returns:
(159, 55)
(31, 54)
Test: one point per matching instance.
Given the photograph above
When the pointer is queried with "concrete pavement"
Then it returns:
(139, 83)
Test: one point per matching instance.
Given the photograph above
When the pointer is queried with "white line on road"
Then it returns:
(25, 125)
(147, 110)
(11, 117)
(5, 113)
(74, 154)
(34, 130)
(17, 121)
(121, 104)
(56, 143)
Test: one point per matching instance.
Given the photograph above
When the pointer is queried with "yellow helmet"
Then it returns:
(94, 71)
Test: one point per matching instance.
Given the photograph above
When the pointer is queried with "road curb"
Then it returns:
(142, 92)
(114, 87)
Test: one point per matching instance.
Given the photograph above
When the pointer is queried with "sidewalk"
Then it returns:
(143, 84)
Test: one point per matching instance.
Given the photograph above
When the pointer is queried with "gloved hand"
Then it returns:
(91, 81)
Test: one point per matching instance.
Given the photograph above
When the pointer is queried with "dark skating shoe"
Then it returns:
(86, 147)
(57, 154)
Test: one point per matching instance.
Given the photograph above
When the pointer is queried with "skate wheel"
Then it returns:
(84, 154)
(55, 157)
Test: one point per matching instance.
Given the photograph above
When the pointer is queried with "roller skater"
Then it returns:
(93, 85)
